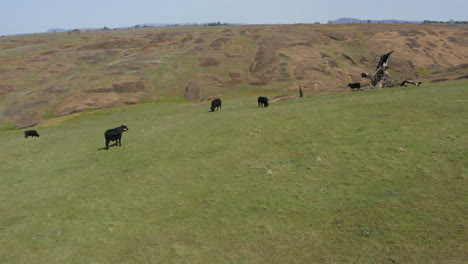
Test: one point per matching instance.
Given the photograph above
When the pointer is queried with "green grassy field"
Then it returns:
(368, 177)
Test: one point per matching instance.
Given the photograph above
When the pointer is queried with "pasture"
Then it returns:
(368, 177)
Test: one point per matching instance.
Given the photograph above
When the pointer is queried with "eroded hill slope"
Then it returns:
(47, 75)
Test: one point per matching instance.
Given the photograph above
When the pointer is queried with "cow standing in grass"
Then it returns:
(115, 135)
(31, 133)
(263, 101)
(215, 104)
(354, 86)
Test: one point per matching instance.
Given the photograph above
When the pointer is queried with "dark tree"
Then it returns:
(380, 77)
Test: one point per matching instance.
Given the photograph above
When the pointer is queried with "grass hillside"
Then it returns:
(370, 177)
(49, 75)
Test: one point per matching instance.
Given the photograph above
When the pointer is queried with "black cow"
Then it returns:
(115, 135)
(215, 104)
(30, 133)
(263, 101)
(354, 86)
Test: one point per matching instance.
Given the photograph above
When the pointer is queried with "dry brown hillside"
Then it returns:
(47, 75)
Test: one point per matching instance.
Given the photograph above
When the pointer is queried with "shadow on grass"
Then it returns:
(110, 146)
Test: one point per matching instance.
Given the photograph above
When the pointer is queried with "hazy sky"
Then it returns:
(31, 16)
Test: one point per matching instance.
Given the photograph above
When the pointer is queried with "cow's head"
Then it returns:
(124, 127)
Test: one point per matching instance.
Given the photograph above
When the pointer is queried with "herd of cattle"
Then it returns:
(115, 134)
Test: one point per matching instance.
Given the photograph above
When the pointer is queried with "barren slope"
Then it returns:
(47, 75)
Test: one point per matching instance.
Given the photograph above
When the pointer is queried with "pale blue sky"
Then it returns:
(32, 16)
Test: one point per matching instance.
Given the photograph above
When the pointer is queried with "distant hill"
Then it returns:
(362, 21)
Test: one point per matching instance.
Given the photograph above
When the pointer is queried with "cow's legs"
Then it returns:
(107, 143)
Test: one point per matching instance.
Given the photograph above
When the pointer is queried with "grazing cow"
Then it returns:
(410, 82)
(30, 133)
(354, 86)
(115, 135)
(215, 104)
(263, 101)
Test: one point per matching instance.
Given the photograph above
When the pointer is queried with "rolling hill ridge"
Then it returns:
(49, 75)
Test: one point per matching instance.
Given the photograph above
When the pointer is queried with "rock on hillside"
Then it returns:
(48, 75)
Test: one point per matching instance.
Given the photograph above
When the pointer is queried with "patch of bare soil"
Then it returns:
(122, 87)
(126, 66)
(93, 59)
(218, 43)
(340, 35)
(309, 67)
(208, 84)
(459, 67)
(55, 90)
(26, 118)
(20, 43)
(200, 40)
(187, 39)
(412, 43)
(5, 88)
(161, 39)
(113, 44)
(24, 114)
(81, 103)
(110, 52)
(48, 52)
(208, 62)
(164, 37)
(263, 68)
(211, 80)
(67, 46)
(348, 58)
(129, 87)
(332, 64)
(192, 91)
(18, 107)
(233, 55)
(411, 33)
(460, 38)
(235, 75)
(250, 31)
(100, 90)
(116, 73)
(36, 59)
(431, 44)
(284, 75)
(401, 64)
(282, 97)
(439, 80)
